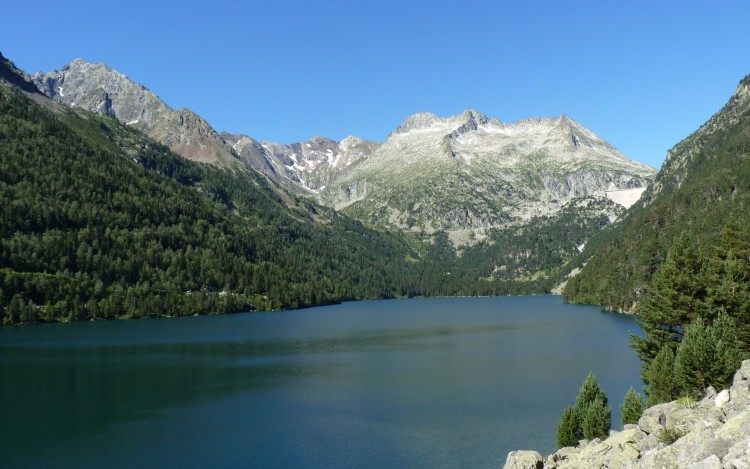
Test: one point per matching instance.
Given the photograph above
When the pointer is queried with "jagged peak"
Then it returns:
(468, 120)
(475, 116)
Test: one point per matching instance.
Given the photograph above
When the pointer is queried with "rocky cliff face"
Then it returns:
(470, 171)
(307, 166)
(99, 88)
(711, 433)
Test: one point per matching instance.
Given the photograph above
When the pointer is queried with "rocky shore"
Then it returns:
(712, 433)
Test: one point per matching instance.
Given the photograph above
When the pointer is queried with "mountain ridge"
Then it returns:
(511, 171)
(704, 181)
(103, 90)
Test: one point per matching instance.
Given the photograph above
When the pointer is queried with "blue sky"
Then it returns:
(641, 74)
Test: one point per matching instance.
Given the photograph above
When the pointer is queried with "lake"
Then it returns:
(440, 382)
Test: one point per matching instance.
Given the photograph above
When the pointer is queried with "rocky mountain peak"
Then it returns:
(99, 88)
(475, 117)
(420, 120)
(472, 172)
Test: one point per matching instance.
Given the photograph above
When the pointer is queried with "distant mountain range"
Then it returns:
(458, 173)
(523, 203)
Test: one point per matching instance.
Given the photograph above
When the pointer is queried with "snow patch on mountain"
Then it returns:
(470, 171)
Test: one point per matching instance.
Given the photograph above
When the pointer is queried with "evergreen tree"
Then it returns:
(571, 427)
(696, 355)
(588, 393)
(632, 407)
(729, 290)
(567, 430)
(598, 419)
(707, 356)
(675, 297)
(662, 386)
(729, 353)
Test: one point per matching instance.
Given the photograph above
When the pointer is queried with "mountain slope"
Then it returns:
(100, 89)
(704, 182)
(305, 167)
(469, 172)
(99, 221)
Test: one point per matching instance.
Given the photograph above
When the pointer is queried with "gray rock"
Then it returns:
(722, 399)
(654, 419)
(738, 456)
(524, 460)
(711, 462)
(100, 89)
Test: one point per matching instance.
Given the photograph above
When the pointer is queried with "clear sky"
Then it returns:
(641, 74)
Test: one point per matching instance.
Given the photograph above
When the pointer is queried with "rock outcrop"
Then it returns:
(305, 167)
(711, 433)
(103, 90)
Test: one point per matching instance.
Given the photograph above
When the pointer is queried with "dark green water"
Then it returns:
(445, 382)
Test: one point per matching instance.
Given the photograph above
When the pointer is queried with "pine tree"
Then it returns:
(662, 386)
(632, 407)
(695, 357)
(729, 354)
(588, 393)
(598, 419)
(567, 430)
(729, 291)
(571, 427)
(676, 295)
(707, 356)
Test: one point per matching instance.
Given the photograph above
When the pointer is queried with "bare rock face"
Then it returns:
(304, 167)
(99, 88)
(473, 172)
(704, 436)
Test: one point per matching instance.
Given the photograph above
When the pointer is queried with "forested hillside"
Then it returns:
(99, 221)
(704, 182)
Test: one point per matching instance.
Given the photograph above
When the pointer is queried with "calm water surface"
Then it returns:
(445, 382)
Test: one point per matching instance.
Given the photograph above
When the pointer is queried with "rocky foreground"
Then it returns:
(711, 433)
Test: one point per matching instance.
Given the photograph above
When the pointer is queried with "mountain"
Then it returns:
(473, 172)
(100, 89)
(305, 167)
(99, 221)
(11, 75)
(703, 185)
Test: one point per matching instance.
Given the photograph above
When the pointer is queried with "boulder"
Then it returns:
(738, 456)
(523, 460)
(722, 398)
(711, 462)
